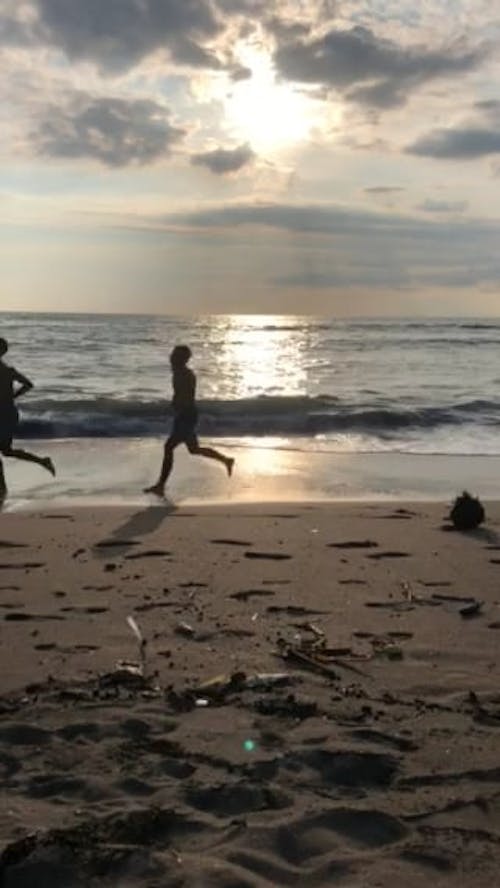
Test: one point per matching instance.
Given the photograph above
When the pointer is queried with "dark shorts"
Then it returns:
(184, 428)
(9, 420)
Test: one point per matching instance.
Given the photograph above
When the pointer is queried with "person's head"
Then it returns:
(180, 356)
(4, 347)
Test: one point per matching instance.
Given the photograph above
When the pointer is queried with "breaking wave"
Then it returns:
(116, 418)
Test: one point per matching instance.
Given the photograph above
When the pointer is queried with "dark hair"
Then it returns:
(4, 346)
(180, 354)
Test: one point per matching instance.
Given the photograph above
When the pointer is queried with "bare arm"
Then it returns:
(24, 384)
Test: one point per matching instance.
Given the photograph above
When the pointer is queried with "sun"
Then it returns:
(263, 112)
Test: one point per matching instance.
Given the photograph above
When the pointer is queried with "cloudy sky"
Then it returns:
(324, 156)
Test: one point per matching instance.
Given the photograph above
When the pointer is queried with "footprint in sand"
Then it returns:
(245, 594)
(378, 555)
(353, 544)
(22, 617)
(296, 610)
(27, 565)
(231, 800)
(149, 553)
(223, 542)
(271, 556)
(434, 584)
(7, 544)
(115, 544)
(352, 582)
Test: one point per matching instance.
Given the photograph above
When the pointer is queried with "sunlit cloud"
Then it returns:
(299, 149)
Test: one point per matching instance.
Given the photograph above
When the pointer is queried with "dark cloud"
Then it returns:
(467, 143)
(383, 189)
(224, 160)
(13, 31)
(385, 94)
(302, 218)
(443, 206)
(348, 276)
(287, 31)
(358, 248)
(114, 131)
(240, 72)
(369, 69)
(117, 34)
(488, 105)
(252, 8)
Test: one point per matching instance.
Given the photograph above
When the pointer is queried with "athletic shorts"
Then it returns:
(9, 420)
(184, 427)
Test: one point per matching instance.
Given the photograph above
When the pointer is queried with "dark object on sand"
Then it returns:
(467, 512)
(473, 609)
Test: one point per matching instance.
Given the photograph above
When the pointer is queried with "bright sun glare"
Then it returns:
(263, 112)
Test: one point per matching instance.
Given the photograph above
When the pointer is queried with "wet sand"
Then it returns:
(374, 757)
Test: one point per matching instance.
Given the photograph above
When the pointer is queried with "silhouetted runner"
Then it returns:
(9, 417)
(185, 420)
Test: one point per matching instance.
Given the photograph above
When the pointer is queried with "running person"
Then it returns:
(9, 417)
(185, 420)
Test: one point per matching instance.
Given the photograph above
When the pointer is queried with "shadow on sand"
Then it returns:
(131, 531)
(483, 534)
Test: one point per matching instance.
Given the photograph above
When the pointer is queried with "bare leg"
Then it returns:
(166, 468)
(210, 453)
(25, 456)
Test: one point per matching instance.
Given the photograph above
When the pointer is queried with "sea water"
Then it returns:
(326, 390)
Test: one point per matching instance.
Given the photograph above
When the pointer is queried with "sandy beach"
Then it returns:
(370, 755)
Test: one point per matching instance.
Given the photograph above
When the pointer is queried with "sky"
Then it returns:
(336, 157)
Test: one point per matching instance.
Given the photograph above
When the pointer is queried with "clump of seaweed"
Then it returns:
(467, 512)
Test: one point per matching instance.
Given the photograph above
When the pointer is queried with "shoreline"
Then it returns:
(105, 471)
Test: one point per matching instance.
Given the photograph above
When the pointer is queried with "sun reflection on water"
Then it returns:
(262, 356)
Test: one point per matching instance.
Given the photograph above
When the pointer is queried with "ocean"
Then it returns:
(411, 386)
(312, 386)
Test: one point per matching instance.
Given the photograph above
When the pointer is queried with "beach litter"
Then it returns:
(132, 623)
(185, 629)
(314, 654)
(239, 681)
(130, 674)
(216, 690)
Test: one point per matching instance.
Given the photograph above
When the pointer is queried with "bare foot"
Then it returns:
(229, 466)
(49, 465)
(157, 489)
